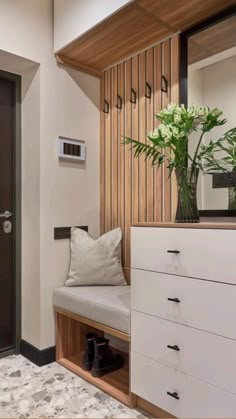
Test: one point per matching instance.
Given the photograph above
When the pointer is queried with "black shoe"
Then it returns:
(104, 359)
(89, 351)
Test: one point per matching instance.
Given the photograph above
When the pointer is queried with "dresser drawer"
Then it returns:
(205, 356)
(152, 380)
(207, 254)
(204, 305)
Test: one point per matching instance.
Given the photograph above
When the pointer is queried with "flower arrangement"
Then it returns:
(170, 143)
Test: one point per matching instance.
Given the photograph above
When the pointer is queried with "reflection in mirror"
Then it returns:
(212, 82)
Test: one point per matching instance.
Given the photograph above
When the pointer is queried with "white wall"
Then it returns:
(74, 17)
(215, 85)
(55, 101)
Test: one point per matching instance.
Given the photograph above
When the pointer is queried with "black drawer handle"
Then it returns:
(174, 300)
(174, 347)
(173, 251)
(175, 395)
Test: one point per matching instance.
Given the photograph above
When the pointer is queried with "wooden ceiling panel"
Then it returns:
(213, 40)
(122, 35)
(182, 14)
(138, 26)
(196, 52)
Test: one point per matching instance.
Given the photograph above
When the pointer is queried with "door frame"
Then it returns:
(17, 219)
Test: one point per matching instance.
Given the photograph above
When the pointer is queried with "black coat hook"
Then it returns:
(106, 106)
(119, 102)
(164, 84)
(133, 98)
(148, 91)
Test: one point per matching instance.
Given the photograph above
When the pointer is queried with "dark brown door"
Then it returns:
(6, 209)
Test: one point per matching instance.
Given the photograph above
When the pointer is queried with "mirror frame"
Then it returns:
(183, 82)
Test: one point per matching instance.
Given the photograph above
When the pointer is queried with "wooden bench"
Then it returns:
(70, 331)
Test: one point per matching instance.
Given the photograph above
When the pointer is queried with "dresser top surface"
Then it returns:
(213, 226)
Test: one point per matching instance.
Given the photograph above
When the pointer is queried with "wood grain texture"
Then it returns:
(115, 147)
(70, 345)
(166, 98)
(158, 175)
(212, 40)
(115, 39)
(75, 64)
(128, 167)
(102, 154)
(121, 154)
(210, 226)
(108, 141)
(91, 323)
(135, 135)
(153, 411)
(134, 28)
(149, 127)
(142, 204)
(115, 384)
(184, 14)
(133, 188)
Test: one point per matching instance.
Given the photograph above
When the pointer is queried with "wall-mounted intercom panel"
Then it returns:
(71, 149)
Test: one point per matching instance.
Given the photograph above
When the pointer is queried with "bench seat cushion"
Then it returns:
(109, 305)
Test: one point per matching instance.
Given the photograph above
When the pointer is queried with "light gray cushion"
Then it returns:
(105, 304)
(95, 262)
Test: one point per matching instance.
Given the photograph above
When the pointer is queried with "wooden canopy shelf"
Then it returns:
(135, 27)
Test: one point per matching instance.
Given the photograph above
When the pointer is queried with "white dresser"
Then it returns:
(183, 320)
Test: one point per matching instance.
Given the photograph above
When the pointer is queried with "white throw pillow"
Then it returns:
(95, 262)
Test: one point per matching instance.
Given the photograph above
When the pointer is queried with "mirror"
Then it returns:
(212, 82)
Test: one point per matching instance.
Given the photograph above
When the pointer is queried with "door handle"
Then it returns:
(6, 214)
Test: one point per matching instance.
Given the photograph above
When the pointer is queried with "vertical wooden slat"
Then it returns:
(121, 158)
(131, 190)
(115, 149)
(108, 153)
(135, 135)
(175, 64)
(149, 127)
(142, 137)
(102, 158)
(158, 189)
(165, 100)
(128, 166)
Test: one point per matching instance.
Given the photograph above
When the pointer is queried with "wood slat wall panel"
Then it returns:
(115, 148)
(121, 154)
(142, 213)
(108, 139)
(135, 134)
(128, 166)
(149, 127)
(158, 178)
(102, 154)
(131, 189)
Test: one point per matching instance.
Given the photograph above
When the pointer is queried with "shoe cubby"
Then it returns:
(70, 346)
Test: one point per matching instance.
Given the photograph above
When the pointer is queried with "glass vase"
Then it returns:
(187, 210)
(232, 198)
